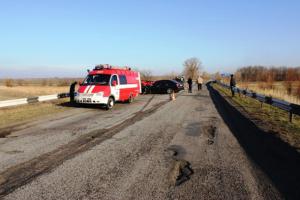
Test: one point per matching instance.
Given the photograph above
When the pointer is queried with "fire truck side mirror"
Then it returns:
(114, 83)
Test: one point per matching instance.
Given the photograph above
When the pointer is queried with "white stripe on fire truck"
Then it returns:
(86, 89)
(91, 89)
(127, 86)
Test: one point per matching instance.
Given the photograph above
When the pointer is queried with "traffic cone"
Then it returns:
(172, 96)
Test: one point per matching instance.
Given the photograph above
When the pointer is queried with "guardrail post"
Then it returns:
(290, 116)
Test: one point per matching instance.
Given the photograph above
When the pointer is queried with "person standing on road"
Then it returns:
(72, 91)
(232, 84)
(190, 82)
(200, 82)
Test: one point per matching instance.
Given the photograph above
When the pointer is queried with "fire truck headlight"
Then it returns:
(99, 94)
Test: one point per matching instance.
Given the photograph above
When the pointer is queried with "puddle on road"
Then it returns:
(193, 129)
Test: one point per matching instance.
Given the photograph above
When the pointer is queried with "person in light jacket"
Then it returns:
(200, 82)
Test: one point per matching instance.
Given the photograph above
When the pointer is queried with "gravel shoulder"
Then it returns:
(181, 150)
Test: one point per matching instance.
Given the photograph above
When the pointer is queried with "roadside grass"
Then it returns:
(25, 113)
(270, 118)
(7, 93)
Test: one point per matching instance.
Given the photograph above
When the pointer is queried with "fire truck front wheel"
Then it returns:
(110, 103)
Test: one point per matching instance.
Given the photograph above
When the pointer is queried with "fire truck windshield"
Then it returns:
(97, 79)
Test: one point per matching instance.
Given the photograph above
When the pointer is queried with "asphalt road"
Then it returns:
(151, 149)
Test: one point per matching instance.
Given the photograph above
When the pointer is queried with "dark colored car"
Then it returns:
(146, 85)
(166, 87)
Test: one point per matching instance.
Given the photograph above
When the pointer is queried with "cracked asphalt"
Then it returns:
(160, 142)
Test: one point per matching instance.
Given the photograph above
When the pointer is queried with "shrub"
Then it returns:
(63, 83)
(288, 86)
(20, 82)
(8, 83)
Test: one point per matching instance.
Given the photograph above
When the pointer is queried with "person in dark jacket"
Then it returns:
(72, 91)
(190, 82)
(232, 84)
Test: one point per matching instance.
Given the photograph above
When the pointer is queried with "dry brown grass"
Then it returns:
(25, 113)
(287, 91)
(298, 90)
(7, 93)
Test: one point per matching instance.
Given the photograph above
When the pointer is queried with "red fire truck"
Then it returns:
(106, 85)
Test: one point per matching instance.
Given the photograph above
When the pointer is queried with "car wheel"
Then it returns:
(169, 90)
(110, 103)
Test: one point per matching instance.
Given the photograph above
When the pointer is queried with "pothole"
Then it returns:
(210, 132)
(180, 170)
(176, 151)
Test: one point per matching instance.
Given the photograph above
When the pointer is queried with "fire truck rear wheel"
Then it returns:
(110, 103)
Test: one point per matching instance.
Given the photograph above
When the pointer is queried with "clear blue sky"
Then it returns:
(63, 37)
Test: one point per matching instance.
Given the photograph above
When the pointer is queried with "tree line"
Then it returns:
(268, 74)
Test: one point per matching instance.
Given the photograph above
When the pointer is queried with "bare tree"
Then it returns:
(269, 74)
(172, 75)
(146, 75)
(192, 67)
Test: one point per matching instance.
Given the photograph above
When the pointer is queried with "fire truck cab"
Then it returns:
(106, 85)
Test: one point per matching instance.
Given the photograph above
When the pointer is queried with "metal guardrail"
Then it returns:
(16, 102)
(293, 109)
